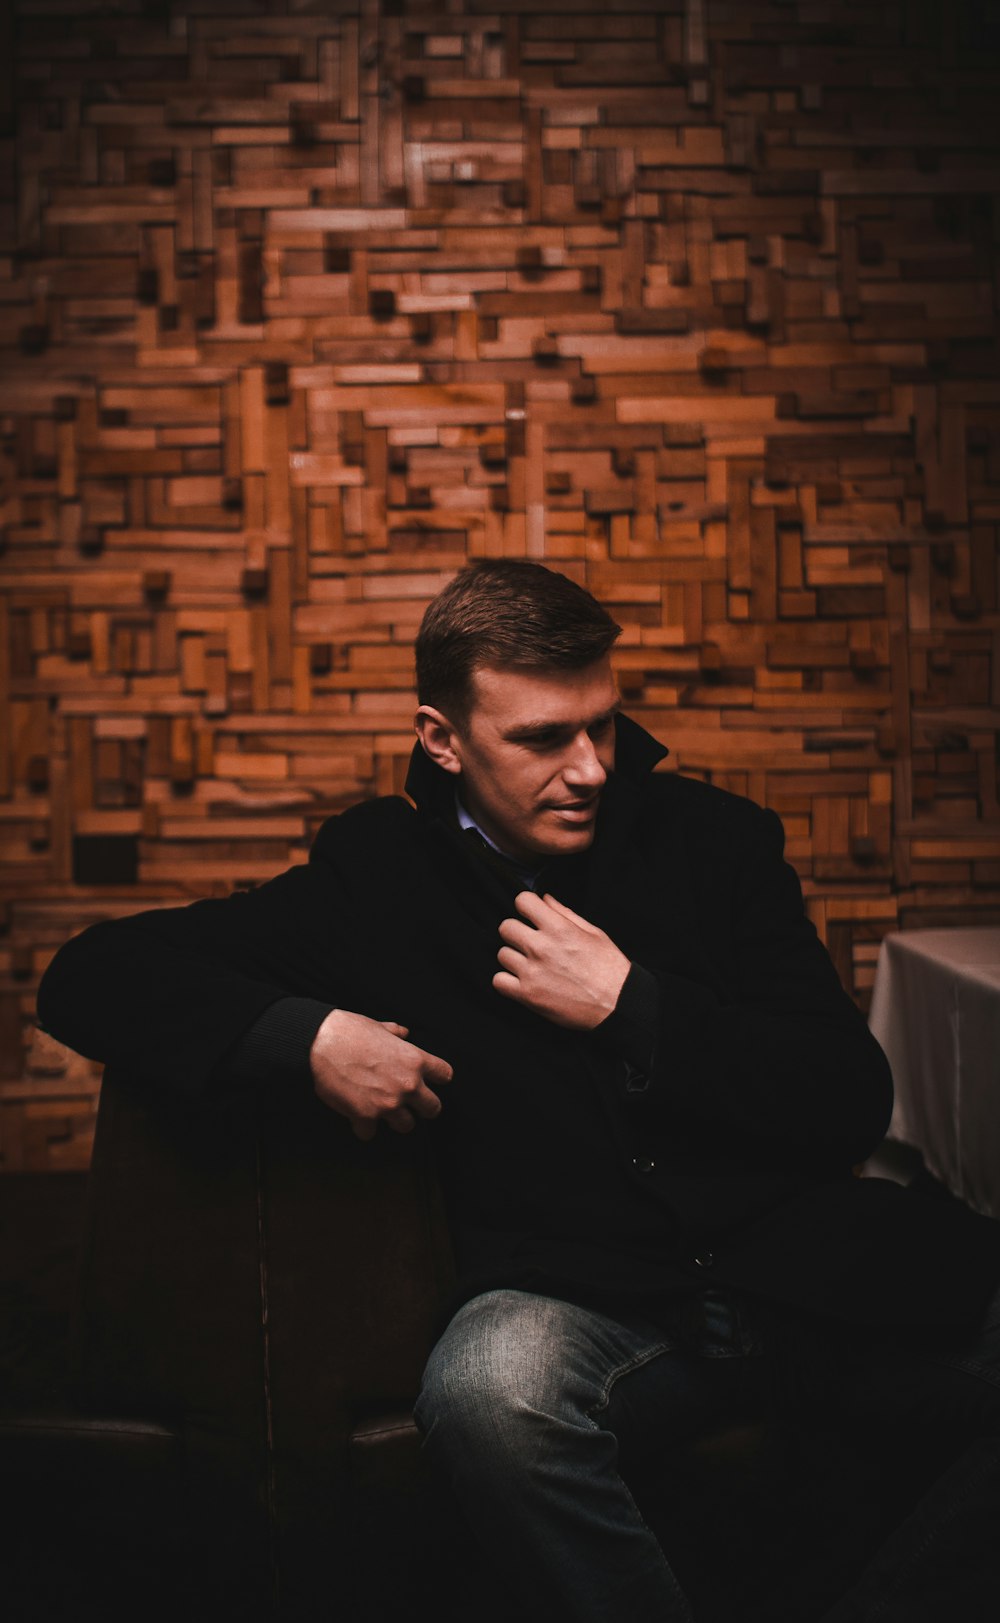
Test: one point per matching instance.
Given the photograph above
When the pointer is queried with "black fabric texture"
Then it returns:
(276, 1047)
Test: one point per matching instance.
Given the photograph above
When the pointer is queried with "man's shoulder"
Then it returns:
(702, 804)
(714, 828)
(366, 830)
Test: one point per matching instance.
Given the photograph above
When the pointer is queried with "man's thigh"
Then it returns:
(625, 1374)
(712, 1378)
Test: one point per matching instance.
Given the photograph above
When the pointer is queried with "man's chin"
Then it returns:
(567, 840)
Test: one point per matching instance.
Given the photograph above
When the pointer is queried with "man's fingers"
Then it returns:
(431, 1065)
(567, 912)
(538, 910)
(518, 934)
(400, 1120)
(508, 986)
(434, 1068)
(425, 1103)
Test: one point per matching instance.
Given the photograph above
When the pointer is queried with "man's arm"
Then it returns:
(234, 991)
(167, 994)
(782, 1060)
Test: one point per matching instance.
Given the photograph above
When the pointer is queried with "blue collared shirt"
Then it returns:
(529, 875)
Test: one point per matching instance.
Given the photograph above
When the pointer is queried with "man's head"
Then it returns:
(517, 700)
(510, 614)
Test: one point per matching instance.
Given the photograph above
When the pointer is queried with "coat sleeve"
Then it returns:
(773, 1058)
(170, 995)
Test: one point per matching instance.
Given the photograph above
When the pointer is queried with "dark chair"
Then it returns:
(258, 1295)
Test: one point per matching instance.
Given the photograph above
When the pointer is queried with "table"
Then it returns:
(936, 1012)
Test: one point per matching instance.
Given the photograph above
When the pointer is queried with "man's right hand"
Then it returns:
(367, 1071)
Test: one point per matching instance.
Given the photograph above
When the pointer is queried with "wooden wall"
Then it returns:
(302, 305)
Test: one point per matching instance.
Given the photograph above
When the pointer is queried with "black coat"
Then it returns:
(729, 1160)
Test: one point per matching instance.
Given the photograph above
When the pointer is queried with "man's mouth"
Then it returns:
(579, 809)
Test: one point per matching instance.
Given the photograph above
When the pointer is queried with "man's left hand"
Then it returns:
(556, 963)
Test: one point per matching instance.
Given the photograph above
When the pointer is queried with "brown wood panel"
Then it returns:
(301, 307)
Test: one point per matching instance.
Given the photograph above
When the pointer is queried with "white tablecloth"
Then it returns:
(936, 1012)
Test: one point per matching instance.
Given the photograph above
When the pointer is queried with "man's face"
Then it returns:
(535, 754)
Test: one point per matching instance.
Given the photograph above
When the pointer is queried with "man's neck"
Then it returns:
(528, 870)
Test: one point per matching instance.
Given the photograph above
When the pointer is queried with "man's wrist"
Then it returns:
(278, 1045)
(632, 1028)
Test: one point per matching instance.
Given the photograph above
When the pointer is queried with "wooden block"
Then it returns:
(382, 304)
(156, 584)
(254, 582)
(276, 383)
(545, 351)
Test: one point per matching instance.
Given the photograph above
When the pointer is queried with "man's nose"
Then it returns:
(584, 768)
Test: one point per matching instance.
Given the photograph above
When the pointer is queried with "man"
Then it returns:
(598, 990)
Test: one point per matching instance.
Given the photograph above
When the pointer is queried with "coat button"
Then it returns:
(705, 1259)
(643, 1163)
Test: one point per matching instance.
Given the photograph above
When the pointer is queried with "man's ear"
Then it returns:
(439, 737)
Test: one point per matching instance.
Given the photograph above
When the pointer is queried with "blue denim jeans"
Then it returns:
(539, 1412)
(529, 1405)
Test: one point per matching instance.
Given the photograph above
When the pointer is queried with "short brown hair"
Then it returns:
(505, 611)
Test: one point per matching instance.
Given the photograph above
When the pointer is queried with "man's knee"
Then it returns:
(494, 1381)
(460, 1417)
